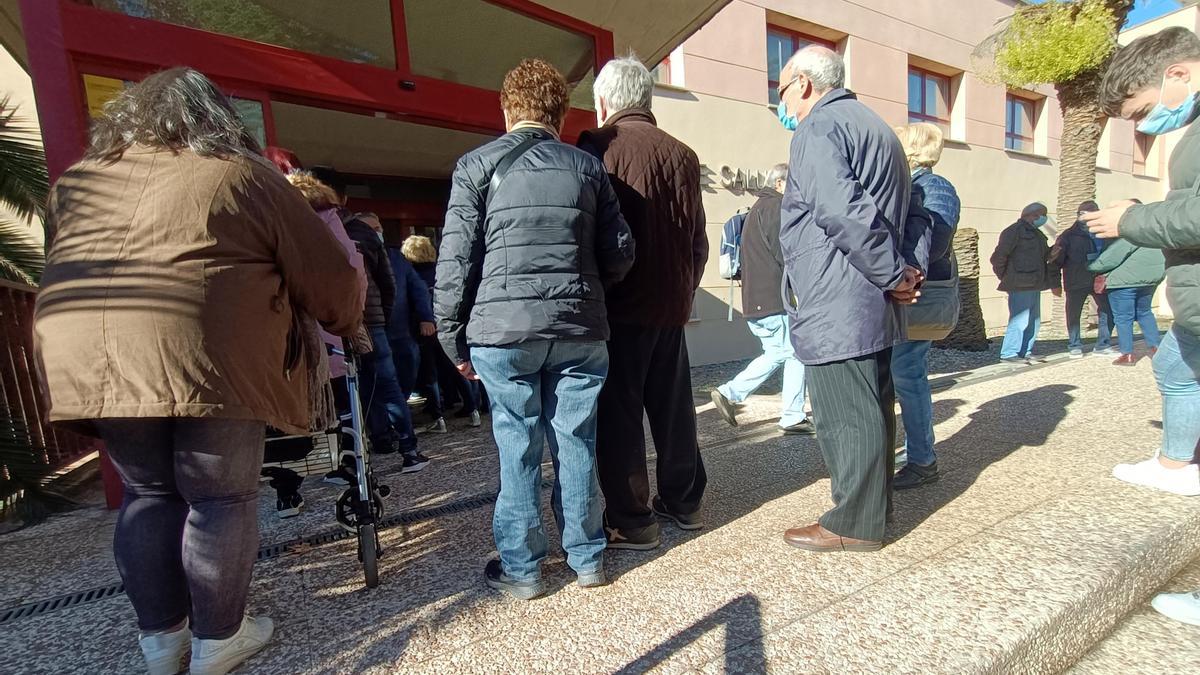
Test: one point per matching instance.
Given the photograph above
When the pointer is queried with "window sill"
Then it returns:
(955, 143)
(1027, 155)
(671, 87)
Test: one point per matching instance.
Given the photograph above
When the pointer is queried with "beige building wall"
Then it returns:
(717, 102)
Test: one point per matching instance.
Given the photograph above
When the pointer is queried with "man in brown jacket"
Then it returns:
(657, 181)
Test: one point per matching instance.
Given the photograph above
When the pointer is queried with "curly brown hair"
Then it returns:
(319, 195)
(535, 91)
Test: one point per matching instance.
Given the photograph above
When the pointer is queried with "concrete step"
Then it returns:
(1146, 641)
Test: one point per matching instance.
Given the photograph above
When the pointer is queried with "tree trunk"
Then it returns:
(1083, 123)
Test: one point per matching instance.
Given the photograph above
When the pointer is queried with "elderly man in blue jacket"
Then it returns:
(848, 275)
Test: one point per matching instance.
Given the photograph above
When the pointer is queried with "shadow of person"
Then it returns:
(997, 429)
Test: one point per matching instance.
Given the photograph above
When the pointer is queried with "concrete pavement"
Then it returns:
(1022, 558)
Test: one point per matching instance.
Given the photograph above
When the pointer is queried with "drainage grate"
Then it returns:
(59, 603)
(268, 552)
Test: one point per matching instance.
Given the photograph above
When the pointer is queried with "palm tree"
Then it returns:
(24, 186)
(1068, 44)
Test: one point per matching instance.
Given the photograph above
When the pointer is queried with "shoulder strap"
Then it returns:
(506, 163)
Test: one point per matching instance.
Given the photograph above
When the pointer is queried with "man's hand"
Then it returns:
(1057, 292)
(467, 371)
(907, 292)
(428, 329)
(1106, 223)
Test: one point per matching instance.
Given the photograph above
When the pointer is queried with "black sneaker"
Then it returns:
(691, 521)
(634, 539)
(414, 463)
(495, 577)
(803, 428)
(289, 506)
(725, 407)
(914, 476)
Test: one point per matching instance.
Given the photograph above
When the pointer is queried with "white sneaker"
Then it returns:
(438, 427)
(166, 653)
(217, 657)
(475, 421)
(1151, 473)
(1183, 607)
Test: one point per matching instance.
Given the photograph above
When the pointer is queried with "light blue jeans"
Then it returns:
(1177, 371)
(772, 332)
(1024, 320)
(910, 373)
(545, 391)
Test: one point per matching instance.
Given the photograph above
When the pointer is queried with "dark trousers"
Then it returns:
(648, 370)
(438, 373)
(389, 421)
(1075, 301)
(854, 406)
(187, 533)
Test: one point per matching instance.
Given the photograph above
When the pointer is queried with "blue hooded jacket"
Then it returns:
(412, 304)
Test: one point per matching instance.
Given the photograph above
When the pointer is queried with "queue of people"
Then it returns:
(178, 327)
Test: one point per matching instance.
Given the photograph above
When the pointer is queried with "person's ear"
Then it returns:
(1178, 71)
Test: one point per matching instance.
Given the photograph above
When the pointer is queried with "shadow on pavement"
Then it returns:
(1007, 424)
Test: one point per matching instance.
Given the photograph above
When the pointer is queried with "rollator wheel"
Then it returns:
(369, 553)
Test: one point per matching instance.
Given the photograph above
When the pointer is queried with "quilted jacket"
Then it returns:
(657, 181)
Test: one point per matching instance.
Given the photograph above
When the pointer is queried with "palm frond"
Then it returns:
(24, 183)
(21, 256)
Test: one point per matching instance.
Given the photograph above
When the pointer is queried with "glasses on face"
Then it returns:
(789, 83)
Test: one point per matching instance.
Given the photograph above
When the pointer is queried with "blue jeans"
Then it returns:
(1129, 305)
(406, 358)
(1177, 371)
(910, 373)
(772, 331)
(388, 415)
(545, 391)
(1024, 320)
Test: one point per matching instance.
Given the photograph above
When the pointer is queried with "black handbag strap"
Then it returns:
(506, 163)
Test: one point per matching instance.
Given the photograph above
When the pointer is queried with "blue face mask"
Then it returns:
(1039, 221)
(1164, 120)
(789, 122)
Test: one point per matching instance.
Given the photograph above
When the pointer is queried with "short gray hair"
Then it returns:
(821, 65)
(624, 83)
(777, 173)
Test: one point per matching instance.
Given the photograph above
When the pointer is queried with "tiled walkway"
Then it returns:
(1024, 555)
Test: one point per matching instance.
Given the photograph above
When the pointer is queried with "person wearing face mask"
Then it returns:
(851, 261)
(1024, 266)
(1151, 81)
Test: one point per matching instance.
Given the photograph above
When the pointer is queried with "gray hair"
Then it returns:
(777, 173)
(624, 83)
(177, 109)
(821, 65)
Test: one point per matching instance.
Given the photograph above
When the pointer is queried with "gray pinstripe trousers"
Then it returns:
(854, 406)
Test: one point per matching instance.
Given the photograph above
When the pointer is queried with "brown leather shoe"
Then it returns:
(817, 538)
(1125, 360)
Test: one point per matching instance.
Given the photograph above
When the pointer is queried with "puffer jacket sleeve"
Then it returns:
(844, 210)
(1169, 224)
(942, 202)
(1114, 254)
(615, 248)
(460, 261)
(918, 233)
(699, 237)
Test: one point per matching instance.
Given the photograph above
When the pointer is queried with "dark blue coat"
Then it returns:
(843, 232)
(412, 304)
(941, 200)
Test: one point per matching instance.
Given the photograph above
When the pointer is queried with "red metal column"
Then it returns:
(56, 85)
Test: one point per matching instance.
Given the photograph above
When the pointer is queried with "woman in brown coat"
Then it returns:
(166, 326)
